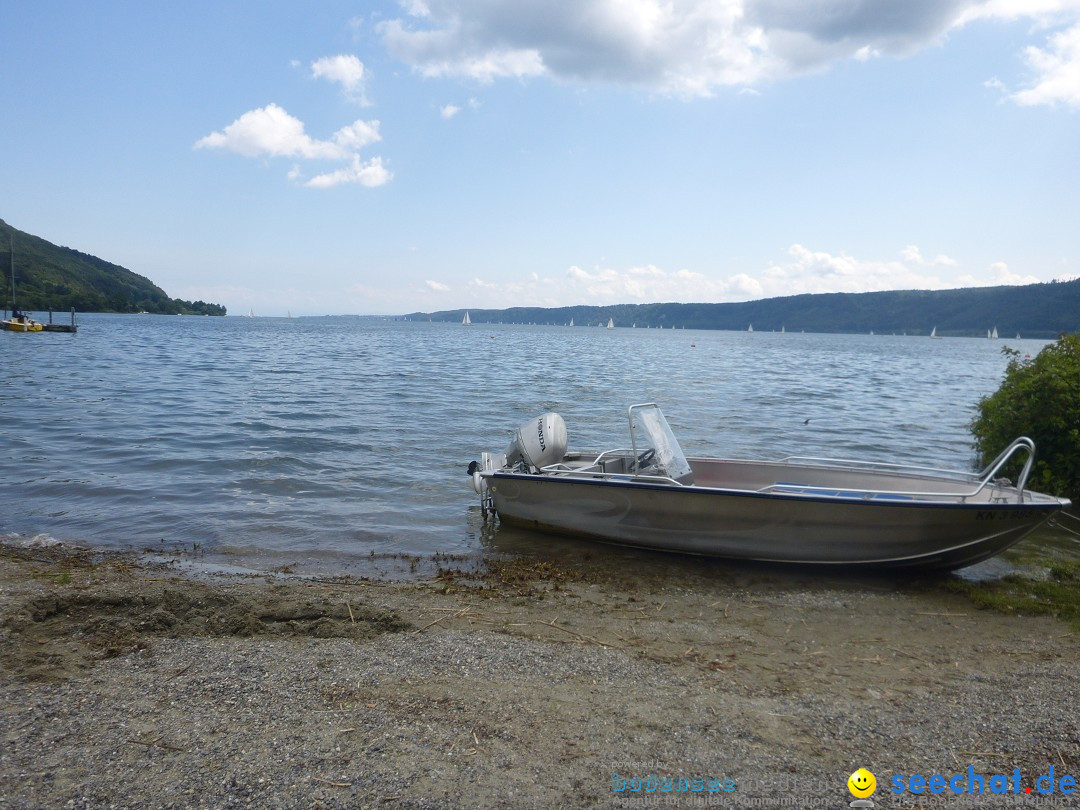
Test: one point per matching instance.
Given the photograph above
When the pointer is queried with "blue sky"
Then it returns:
(386, 157)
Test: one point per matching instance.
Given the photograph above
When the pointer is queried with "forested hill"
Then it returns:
(1034, 310)
(48, 276)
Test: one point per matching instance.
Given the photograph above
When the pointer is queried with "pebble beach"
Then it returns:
(128, 684)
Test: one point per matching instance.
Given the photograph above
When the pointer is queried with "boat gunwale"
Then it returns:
(622, 481)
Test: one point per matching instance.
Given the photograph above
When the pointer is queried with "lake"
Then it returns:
(328, 443)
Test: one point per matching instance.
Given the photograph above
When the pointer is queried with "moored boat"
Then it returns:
(19, 321)
(793, 510)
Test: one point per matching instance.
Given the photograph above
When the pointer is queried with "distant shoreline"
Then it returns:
(1037, 311)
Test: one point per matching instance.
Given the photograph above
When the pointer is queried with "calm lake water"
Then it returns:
(326, 443)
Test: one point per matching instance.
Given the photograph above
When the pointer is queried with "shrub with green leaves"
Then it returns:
(1039, 398)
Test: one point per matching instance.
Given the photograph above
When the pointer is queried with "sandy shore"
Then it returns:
(129, 685)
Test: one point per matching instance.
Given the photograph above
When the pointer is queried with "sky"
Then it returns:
(389, 157)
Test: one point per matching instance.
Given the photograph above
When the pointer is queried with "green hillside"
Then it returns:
(48, 276)
(1034, 311)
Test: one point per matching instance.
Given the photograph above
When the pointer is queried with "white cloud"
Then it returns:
(1056, 69)
(449, 111)
(812, 271)
(344, 69)
(357, 135)
(271, 132)
(649, 283)
(1003, 276)
(370, 173)
(683, 46)
(437, 286)
(693, 47)
(912, 254)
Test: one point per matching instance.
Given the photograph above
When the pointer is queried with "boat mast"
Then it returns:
(11, 253)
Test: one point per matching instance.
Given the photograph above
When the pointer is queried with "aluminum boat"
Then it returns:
(794, 510)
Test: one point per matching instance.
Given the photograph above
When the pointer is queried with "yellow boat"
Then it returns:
(21, 323)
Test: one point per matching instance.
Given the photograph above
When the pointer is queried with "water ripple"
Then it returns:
(333, 438)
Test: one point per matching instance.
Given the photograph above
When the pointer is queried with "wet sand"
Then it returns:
(530, 684)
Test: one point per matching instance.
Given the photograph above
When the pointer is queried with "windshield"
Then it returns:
(656, 449)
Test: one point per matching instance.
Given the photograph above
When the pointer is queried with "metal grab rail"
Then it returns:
(562, 466)
(629, 478)
(984, 477)
(593, 470)
(1020, 442)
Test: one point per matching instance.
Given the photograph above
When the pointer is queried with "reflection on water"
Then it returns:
(326, 443)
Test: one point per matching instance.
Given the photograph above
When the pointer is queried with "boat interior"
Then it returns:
(656, 458)
(812, 477)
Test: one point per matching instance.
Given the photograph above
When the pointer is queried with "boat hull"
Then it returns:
(771, 527)
(18, 326)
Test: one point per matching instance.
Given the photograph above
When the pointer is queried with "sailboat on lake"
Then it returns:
(19, 322)
(466, 321)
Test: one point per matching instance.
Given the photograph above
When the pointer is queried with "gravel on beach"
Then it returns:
(129, 685)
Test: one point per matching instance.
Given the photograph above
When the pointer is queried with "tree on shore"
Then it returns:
(1039, 398)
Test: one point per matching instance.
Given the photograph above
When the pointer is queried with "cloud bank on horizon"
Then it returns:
(687, 50)
(806, 271)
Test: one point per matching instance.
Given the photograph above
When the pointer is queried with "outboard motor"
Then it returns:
(538, 442)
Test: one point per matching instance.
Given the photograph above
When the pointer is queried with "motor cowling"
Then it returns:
(539, 442)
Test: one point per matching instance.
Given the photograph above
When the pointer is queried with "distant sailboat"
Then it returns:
(571, 321)
(934, 334)
(781, 329)
(1018, 336)
(751, 329)
(994, 334)
(610, 323)
(251, 312)
(466, 321)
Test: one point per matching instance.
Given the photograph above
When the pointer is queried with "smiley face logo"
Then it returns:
(862, 783)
